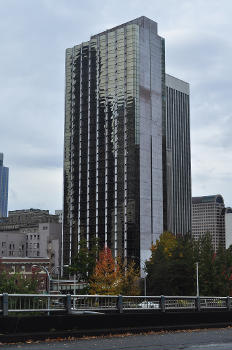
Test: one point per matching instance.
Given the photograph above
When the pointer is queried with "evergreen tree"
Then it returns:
(223, 270)
(158, 268)
(182, 267)
(85, 261)
(207, 271)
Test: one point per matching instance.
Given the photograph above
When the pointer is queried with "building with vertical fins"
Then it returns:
(115, 181)
(178, 195)
(4, 175)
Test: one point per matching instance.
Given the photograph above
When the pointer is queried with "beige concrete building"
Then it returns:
(31, 233)
(208, 216)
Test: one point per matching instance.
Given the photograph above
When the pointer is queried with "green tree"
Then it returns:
(223, 271)
(207, 271)
(170, 270)
(85, 261)
(172, 267)
(228, 271)
(16, 283)
(182, 267)
(158, 267)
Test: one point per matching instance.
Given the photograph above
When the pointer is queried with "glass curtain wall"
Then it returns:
(101, 180)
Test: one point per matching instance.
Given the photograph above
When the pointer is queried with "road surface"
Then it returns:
(212, 339)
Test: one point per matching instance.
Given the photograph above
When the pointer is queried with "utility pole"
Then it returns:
(197, 280)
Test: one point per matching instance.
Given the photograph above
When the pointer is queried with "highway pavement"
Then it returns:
(211, 339)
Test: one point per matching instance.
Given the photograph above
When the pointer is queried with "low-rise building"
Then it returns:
(31, 233)
(27, 268)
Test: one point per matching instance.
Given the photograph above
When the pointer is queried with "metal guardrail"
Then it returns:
(94, 302)
(17, 303)
(31, 303)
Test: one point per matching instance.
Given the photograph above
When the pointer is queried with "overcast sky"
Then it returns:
(33, 38)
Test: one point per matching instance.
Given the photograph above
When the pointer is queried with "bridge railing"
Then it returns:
(141, 302)
(14, 303)
(180, 303)
(39, 303)
(94, 302)
(214, 302)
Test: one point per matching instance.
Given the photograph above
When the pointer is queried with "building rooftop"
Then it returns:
(30, 211)
(217, 198)
(142, 21)
(26, 218)
(177, 84)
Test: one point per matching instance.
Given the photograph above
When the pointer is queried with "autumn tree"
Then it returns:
(107, 275)
(168, 242)
(130, 279)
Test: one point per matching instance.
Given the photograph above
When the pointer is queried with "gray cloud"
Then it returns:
(34, 35)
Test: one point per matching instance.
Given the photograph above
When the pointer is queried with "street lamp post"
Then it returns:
(48, 276)
(145, 284)
(197, 279)
(58, 267)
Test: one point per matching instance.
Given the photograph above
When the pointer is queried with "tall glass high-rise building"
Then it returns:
(4, 175)
(177, 203)
(115, 141)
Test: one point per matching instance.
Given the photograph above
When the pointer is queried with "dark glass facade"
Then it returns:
(105, 92)
(115, 141)
(4, 175)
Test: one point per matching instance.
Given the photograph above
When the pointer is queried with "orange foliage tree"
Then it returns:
(107, 276)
